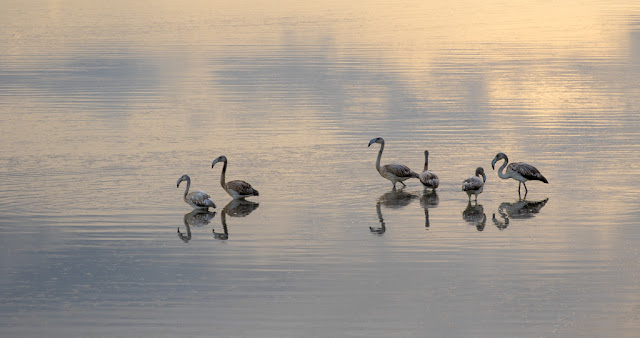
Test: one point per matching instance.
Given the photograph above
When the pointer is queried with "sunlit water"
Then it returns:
(104, 105)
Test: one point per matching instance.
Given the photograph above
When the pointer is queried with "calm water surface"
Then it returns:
(104, 105)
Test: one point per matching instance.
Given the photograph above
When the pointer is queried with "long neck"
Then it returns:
(224, 170)
(379, 156)
(426, 162)
(504, 165)
(186, 190)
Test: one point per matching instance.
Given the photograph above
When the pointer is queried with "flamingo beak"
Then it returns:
(214, 162)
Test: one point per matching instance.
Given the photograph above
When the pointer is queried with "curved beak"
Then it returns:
(493, 163)
(178, 184)
(484, 177)
(214, 162)
(371, 142)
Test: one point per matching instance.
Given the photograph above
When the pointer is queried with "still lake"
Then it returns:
(104, 105)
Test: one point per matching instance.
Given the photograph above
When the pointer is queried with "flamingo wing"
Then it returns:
(472, 183)
(399, 170)
(429, 178)
(527, 171)
(201, 199)
(242, 188)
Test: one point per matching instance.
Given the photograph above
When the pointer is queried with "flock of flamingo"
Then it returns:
(473, 185)
(237, 189)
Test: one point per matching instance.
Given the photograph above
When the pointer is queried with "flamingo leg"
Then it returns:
(403, 184)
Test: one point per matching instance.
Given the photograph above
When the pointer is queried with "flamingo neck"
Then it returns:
(504, 165)
(222, 180)
(379, 156)
(426, 163)
(186, 190)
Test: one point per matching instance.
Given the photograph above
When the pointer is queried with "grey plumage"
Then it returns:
(527, 171)
(472, 183)
(399, 170)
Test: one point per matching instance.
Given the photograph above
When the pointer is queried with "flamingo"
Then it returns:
(428, 178)
(237, 188)
(392, 172)
(519, 171)
(197, 199)
(473, 185)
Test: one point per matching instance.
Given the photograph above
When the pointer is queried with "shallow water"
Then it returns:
(103, 106)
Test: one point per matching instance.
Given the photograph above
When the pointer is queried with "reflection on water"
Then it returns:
(500, 224)
(196, 218)
(521, 209)
(428, 200)
(394, 199)
(382, 228)
(474, 214)
(235, 208)
(397, 198)
(240, 208)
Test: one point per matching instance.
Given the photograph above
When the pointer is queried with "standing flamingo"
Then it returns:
(392, 172)
(237, 188)
(428, 178)
(519, 171)
(197, 199)
(473, 185)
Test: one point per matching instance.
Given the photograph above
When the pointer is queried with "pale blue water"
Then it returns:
(103, 106)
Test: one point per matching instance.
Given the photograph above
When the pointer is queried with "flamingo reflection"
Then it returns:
(196, 218)
(500, 224)
(521, 209)
(394, 199)
(428, 200)
(379, 230)
(474, 215)
(235, 208)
